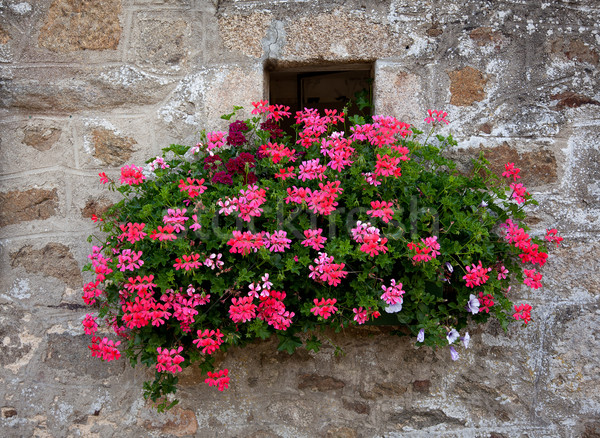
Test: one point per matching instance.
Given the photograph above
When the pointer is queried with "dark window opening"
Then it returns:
(322, 88)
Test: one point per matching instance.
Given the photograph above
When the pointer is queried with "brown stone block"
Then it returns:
(29, 205)
(421, 385)
(384, 390)
(54, 260)
(466, 86)
(341, 432)
(96, 207)
(8, 412)
(434, 30)
(4, 36)
(249, 43)
(575, 50)
(315, 382)
(73, 25)
(356, 406)
(177, 421)
(485, 35)
(570, 99)
(537, 167)
(41, 138)
(420, 419)
(111, 149)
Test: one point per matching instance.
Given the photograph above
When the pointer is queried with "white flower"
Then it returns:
(465, 339)
(394, 308)
(452, 336)
(473, 304)
(453, 353)
(421, 335)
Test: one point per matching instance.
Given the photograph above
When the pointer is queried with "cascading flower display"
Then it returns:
(250, 233)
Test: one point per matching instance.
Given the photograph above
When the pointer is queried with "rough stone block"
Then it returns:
(575, 50)
(315, 382)
(12, 346)
(27, 205)
(68, 90)
(248, 43)
(4, 36)
(200, 99)
(177, 421)
(398, 93)
(111, 142)
(110, 149)
(68, 353)
(34, 144)
(341, 36)
(96, 206)
(570, 99)
(162, 44)
(486, 35)
(538, 167)
(75, 25)
(54, 260)
(467, 86)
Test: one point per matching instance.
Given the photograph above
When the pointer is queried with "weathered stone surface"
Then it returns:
(570, 99)
(434, 30)
(421, 386)
(81, 25)
(537, 167)
(54, 259)
(12, 346)
(41, 138)
(249, 43)
(467, 86)
(420, 419)
(575, 50)
(177, 421)
(4, 36)
(70, 353)
(356, 406)
(341, 432)
(591, 430)
(169, 81)
(37, 90)
(397, 93)
(96, 207)
(384, 390)
(110, 148)
(485, 35)
(28, 205)
(207, 95)
(162, 45)
(315, 382)
(340, 36)
(8, 412)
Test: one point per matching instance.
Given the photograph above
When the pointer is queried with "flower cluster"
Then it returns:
(253, 232)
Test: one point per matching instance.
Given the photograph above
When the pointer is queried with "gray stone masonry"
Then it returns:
(89, 85)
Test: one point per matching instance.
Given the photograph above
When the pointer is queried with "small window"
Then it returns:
(330, 87)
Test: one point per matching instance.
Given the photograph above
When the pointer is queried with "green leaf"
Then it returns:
(288, 343)
(313, 344)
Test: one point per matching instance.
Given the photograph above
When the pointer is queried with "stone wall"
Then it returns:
(86, 85)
